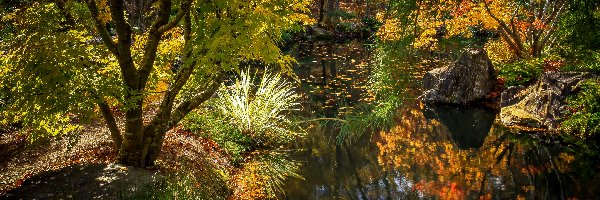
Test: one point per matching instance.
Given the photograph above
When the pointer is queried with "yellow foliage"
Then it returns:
(499, 51)
(103, 11)
(454, 17)
(445, 170)
(390, 30)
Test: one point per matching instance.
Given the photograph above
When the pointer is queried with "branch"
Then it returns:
(123, 30)
(511, 44)
(110, 121)
(187, 106)
(117, 12)
(182, 76)
(101, 28)
(506, 32)
(552, 28)
(183, 9)
(158, 28)
(515, 34)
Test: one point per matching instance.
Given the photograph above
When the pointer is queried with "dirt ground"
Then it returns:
(85, 157)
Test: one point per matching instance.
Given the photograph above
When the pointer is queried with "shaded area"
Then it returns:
(92, 181)
(467, 125)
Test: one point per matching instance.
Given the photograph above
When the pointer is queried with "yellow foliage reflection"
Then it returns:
(424, 152)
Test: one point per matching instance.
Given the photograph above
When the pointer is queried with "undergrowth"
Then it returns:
(251, 120)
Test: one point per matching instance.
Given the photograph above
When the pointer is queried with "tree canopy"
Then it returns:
(65, 60)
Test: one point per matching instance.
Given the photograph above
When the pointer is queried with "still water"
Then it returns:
(430, 151)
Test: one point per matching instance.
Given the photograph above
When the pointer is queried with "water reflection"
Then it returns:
(432, 151)
(468, 125)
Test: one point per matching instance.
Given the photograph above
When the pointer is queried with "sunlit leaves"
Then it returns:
(258, 110)
(103, 11)
(241, 31)
(51, 70)
(498, 51)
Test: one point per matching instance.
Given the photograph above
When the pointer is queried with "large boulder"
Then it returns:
(542, 105)
(467, 79)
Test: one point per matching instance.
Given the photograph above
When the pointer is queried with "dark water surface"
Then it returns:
(431, 151)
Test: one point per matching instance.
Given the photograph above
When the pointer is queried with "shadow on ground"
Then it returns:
(91, 181)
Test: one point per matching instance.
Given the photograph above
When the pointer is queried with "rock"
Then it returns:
(541, 105)
(468, 79)
(511, 96)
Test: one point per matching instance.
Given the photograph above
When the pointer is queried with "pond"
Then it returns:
(429, 152)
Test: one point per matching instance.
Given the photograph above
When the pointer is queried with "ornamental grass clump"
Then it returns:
(259, 105)
(260, 108)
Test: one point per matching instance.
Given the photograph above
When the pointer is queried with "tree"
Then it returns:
(65, 59)
(526, 27)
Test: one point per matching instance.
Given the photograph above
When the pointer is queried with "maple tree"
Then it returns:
(64, 60)
(526, 27)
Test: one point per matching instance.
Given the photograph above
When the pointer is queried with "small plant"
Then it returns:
(346, 26)
(253, 126)
(583, 60)
(184, 184)
(259, 110)
(215, 126)
(521, 72)
(585, 120)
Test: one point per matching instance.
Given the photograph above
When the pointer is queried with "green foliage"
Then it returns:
(215, 126)
(342, 15)
(249, 115)
(253, 126)
(580, 26)
(581, 128)
(250, 30)
(582, 60)
(585, 121)
(520, 72)
(346, 26)
(259, 110)
(49, 72)
(183, 184)
(371, 24)
(388, 79)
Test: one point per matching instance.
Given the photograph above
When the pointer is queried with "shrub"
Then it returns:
(520, 72)
(585, 119)
(214, 125)
(582, 60)
(259, 111)
(498, 51)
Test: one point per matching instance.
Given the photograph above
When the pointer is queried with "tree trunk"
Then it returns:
(130, 152)
(140, 144)
(321, 12)
(332, 6)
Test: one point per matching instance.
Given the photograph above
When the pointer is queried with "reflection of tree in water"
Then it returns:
(334, 78)
(507, 165)
(333, 75)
